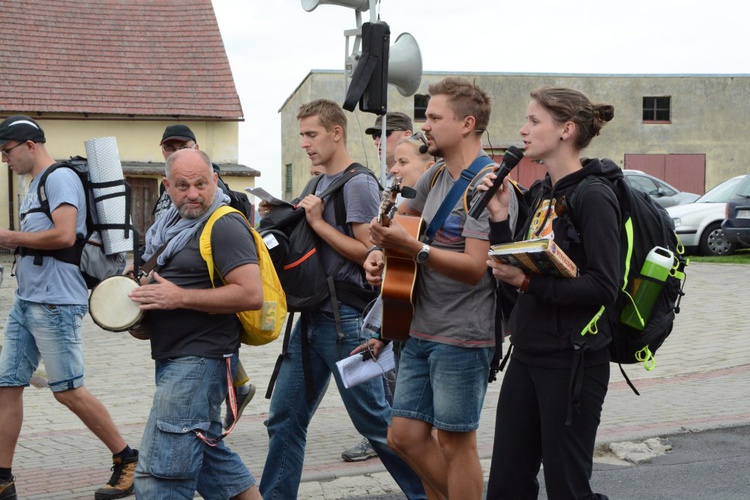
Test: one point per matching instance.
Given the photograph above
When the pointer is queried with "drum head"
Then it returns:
(111, 308)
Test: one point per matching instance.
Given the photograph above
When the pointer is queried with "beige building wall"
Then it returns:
(137, 141)
(709, 115)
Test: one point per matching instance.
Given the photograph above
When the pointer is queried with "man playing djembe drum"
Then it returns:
(45, 322)
(195, 338)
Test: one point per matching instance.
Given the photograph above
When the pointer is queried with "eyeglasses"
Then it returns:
(172, 149)
(376, 135)
(6, 152)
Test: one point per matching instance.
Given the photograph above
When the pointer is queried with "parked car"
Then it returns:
(661, 192)
(736, 225)
(698, 224)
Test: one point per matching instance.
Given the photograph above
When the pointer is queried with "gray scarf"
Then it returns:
(175, 230)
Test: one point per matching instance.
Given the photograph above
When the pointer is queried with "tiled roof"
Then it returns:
(156, 58)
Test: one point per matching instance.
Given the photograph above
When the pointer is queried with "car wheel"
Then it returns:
(714, 242)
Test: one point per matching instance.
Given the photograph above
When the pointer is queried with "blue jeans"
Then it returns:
(174, 462)
(291, 411)
(43, 331)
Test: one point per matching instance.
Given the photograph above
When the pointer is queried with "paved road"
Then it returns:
(701, 382)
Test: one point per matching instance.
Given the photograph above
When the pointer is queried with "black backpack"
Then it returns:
(239, 201)
(645, 225)
(293, 247)
(88, 250)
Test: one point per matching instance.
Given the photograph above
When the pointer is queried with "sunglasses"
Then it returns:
(419, 136)
(171, 149)
(376, 135)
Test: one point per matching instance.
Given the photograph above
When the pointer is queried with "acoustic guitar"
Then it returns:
(400, 273)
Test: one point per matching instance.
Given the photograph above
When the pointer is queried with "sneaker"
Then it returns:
(363, 451)
(121, 483)
(8, 489)
(39, 380)
(242, 402)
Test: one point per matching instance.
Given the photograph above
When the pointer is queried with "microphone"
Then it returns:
(423, 149)
(510, 160)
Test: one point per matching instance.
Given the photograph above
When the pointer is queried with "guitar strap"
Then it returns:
(467, 175)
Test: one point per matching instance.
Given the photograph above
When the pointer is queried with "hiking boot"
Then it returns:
(121, 483)
(8, 489)
(244, 394)
(363, 451)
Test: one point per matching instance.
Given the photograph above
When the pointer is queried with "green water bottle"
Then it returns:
(647, 287)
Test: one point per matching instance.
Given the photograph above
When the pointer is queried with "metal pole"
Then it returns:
(383, 145)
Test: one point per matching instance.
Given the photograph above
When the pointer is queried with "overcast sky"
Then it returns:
(273, 44)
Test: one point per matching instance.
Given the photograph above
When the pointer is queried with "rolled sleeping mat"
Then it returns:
(112, 203)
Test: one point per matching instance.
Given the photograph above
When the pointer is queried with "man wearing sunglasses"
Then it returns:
(397, 126)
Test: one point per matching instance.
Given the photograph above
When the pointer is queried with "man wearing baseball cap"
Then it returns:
(175, 137)
(397, 126)
(52, 298)
(177, 133)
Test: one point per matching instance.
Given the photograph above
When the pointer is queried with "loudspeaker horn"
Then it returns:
(405, 65)
(358, 5)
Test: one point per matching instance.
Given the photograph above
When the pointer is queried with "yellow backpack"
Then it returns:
(264, 325)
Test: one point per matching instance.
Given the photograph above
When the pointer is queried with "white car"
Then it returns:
(698, 224)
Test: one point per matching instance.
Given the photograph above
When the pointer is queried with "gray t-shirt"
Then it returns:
(54, 282)
(187, 332)
(449, 311)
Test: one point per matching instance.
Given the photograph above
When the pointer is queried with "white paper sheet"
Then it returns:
(264, 195)
(354, 371)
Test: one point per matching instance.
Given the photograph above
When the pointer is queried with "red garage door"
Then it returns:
(686, 172)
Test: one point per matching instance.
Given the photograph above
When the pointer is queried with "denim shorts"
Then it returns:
(441, 384)
(46, 332)
(174, 462)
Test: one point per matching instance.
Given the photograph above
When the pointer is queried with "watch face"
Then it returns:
(423, 255)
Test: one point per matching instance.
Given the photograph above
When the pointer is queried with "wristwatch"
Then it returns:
(423, 254)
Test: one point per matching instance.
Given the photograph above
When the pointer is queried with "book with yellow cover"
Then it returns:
(536, 256)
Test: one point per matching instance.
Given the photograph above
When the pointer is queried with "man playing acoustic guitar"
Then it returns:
(444, 366)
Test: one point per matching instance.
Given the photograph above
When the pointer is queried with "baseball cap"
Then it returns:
(393, 121)
(178, 133)
(20, 128)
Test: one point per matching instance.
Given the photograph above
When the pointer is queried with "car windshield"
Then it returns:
(743, 189)
(721, 193)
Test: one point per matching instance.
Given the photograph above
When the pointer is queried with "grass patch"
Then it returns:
(738, 257)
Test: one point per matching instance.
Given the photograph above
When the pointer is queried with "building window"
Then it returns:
(288, 181)
(420, 107)
(656, 109)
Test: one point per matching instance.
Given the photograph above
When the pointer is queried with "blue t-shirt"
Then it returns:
(53, 282)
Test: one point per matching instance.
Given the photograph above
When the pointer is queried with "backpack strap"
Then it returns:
(450, 200)
(70, 255)
(573, 204)
(205, 238)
